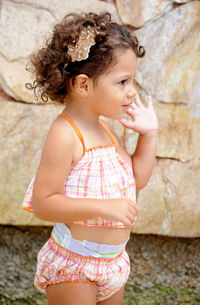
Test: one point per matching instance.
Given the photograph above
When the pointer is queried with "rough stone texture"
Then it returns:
(181, 1)
(137, 12)
(170, 262)
(169, 69)
(23, 129)
(170, 205)
(179, 133)
(23, 26)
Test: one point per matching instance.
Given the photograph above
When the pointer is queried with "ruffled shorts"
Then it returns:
(57, 264)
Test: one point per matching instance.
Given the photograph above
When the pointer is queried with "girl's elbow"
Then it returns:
(140, 187)
(141, 184)
(38, 210)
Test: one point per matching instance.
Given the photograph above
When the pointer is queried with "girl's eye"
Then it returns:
(122, 82)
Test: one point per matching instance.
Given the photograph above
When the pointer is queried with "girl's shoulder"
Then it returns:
(61, 140)
(61, 131)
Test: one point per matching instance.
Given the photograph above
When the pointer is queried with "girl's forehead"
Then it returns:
(125, 63)
(126, 58)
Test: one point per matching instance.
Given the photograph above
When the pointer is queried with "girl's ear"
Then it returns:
(81, 84)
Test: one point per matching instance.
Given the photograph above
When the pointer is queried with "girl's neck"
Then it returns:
(81, 114)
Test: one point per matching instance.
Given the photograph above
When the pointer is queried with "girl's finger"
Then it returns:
(138, 101)
(131, 112)
(127, 123)
(133, 106)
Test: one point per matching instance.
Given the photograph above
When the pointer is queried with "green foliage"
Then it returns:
(36, 299)
(134, 295)
(158, 294)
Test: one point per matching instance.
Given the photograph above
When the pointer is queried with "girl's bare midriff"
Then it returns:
(112, 236)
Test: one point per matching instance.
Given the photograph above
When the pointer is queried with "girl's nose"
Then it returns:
(131, 93)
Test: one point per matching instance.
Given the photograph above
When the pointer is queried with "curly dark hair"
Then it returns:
(52, 65)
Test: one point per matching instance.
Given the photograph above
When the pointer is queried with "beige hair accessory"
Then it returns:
(86, 40)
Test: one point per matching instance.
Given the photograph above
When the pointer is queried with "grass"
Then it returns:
(160, 295)
(134, 295)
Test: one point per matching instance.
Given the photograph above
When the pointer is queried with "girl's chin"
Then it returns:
(118, 116)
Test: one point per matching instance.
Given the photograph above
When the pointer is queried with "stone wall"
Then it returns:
(170, 72)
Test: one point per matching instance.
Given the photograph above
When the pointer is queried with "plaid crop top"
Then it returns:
(101, 173)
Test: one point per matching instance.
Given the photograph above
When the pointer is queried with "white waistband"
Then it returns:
(62, 235)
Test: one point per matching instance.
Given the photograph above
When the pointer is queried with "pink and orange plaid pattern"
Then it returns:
(101, 174)
(57, 264)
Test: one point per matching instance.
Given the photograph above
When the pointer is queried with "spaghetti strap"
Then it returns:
(75, 128)
(109, 134)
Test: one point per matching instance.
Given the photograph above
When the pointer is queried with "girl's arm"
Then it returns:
(144, 121)
(143, 158)
(48, 201)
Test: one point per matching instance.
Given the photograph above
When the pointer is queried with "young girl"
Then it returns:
(86, 182)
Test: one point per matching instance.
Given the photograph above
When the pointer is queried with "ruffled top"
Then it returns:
(101, 173)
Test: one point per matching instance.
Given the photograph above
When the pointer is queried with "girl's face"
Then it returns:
(114, 89)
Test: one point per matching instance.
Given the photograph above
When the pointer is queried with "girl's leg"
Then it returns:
(115, 299)
(67, 293)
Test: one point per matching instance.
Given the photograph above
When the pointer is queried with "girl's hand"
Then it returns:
(144, 120)
(122, 210)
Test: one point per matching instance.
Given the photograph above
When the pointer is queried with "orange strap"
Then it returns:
(80, 135)
(75, 128)
(112, 139)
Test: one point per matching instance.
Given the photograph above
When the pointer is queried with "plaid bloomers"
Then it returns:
(57, 264)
